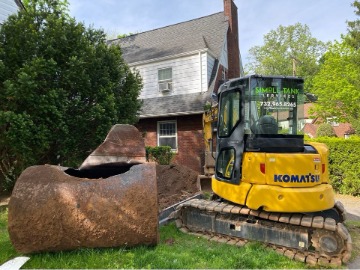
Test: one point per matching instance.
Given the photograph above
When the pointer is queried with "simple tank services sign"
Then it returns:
(277, 98)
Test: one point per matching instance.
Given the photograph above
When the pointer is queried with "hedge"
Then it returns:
(344, 163)
(160, 154)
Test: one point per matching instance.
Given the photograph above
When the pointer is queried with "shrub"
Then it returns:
(355, 123)
(8, 176)
(160, 154)
(344, 164)
(325, 130)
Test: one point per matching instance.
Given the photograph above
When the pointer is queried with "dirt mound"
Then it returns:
(175, 183)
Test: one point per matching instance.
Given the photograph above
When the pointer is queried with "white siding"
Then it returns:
(204, 72)
(185, 75)
(7, 7)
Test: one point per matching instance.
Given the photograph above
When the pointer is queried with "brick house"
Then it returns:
(342, 130)
(9, 7)
(181, 66)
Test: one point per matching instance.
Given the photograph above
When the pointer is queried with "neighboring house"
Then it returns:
(9, 7)
(181, 65)
(283, 117)
(342, 130)
(310, 125)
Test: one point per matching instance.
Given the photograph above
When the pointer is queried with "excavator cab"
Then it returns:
(261, 159)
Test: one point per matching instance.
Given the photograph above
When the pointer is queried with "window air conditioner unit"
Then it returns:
(165, 86)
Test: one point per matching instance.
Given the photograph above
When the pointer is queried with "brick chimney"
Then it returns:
(230, 11)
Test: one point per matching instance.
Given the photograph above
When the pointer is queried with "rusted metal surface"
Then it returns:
(52, 211)
(123, 145)
(112, 200)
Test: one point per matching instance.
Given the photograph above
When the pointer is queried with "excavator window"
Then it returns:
(225, 163)
(229, 112)
(275, 106)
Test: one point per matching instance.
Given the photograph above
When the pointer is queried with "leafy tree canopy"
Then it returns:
(353, 37)
(338, 82)
(61, 88)
(287, 51)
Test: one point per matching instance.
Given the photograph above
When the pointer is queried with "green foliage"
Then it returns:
(7, 251)
(61, 88)
(355, 123)
(124, 35)
(325, 130)
(344, 164)
(287, 50)
(337, 84)
(353, 38)
(160, 154)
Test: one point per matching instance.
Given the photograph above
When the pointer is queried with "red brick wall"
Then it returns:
(148, 127)
(230, 11)
(219, 80)
(190, 139)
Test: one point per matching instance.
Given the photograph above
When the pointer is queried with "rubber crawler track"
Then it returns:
(312, 224)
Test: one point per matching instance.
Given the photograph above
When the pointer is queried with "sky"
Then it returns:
(325, 18)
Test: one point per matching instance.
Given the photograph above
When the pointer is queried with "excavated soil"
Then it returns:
(175, 183)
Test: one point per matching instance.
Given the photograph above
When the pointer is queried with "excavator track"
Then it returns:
(314, 240)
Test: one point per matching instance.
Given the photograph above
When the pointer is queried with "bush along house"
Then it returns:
(181, 66)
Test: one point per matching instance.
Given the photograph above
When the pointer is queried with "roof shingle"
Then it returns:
(174, 105)
(205, 32)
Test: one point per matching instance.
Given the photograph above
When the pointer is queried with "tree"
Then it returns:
(287, 50)
(353, 37)
(338, 82)
(61, 88)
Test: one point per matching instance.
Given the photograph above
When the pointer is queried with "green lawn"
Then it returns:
(176, 250)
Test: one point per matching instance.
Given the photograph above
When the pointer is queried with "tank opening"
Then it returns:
(101, 171)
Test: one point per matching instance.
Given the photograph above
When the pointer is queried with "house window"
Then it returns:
(167, 134)
(165, 79)
(333, 121)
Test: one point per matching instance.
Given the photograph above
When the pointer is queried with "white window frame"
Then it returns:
(168, 136)
(333, 121)
(165, 85)
(223, 74)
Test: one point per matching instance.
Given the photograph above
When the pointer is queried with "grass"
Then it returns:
(6, 251)
(175, 250)
(354, 229)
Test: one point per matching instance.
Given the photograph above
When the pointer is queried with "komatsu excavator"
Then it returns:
(268, 185)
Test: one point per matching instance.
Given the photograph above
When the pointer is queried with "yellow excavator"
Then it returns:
(268, 184)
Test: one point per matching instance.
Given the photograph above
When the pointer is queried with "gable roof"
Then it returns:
(207, 32)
